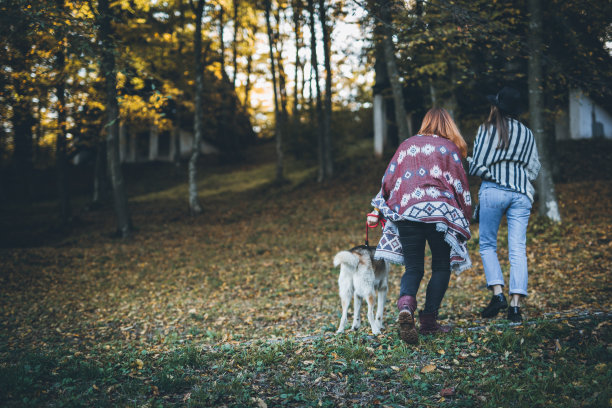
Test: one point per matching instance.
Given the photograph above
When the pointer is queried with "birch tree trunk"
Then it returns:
(394, 77)
(194, 205)
(544, 183)
(328, 165)
(318, 106)
(277, 118)
(124, 223)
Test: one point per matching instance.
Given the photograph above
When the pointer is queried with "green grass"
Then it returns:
(538, 365)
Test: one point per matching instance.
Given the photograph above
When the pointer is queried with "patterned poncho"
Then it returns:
(425, 182)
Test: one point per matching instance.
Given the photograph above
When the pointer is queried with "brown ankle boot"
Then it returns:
(430, 325)
(407, 331)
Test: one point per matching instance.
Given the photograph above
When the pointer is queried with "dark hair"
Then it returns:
(500, 121)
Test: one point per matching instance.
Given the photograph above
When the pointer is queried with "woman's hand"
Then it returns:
(372, 220)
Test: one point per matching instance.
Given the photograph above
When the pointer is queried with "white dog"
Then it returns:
(362, 277)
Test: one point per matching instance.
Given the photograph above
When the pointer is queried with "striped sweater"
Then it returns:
(514, 167)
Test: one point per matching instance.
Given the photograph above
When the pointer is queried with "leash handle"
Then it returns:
(381, 221)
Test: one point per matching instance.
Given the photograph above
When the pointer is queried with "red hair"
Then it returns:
(438, 122)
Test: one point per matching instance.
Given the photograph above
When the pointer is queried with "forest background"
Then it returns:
(154, 283)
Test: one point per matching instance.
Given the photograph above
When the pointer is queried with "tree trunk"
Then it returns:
(176, 129)
(247, 85)
(177, 102)
(318, 106)
(222, 39)
(282, 77)
(60, 146)
(22, 120)
(297, 9)
(236, 4)
(394, 78)
(277, 118)
(100, 187)
(194, 204)
(249, 68)
(22, 155)
(328, 164)
(544, 183)
(124, 224)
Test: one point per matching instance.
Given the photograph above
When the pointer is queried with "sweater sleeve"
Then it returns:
(477, 165)
(533, 163)
(462, 191)
(386, 184)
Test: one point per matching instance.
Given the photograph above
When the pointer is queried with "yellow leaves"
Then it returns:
(137, 82)
(138, 364)
(601, 367)
(428, 369)
(121, 79)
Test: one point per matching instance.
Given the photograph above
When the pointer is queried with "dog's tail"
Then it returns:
(347, 258)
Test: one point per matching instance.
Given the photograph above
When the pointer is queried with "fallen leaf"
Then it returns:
(447, 392)
(428, 368)
(260, 403)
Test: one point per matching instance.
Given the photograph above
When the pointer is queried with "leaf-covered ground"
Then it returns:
(238, 307)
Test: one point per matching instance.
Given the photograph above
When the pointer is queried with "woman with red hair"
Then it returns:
(425, 197)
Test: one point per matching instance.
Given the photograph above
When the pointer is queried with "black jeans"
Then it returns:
(413, 236)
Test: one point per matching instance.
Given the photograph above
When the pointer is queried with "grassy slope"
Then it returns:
(178, 314)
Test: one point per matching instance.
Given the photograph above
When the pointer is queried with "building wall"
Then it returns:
(586, 118)
(131, 143)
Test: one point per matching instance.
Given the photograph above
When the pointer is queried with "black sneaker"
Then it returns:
(497, 303)
(514, 314)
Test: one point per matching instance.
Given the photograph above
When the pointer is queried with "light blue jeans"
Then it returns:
(495, 201)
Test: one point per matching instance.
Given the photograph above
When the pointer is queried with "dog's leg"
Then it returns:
(356, 312)
(345, 305)
(382, 298)
(373, 323)
(345, 292)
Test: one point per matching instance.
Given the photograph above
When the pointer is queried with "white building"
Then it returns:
(584, 119)
(155, 145)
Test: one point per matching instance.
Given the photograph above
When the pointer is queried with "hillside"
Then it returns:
(213, 308)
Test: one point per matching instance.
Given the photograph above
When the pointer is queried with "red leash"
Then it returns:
(381, 221)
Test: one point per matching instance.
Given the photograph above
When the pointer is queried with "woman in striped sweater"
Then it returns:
(506, 159)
